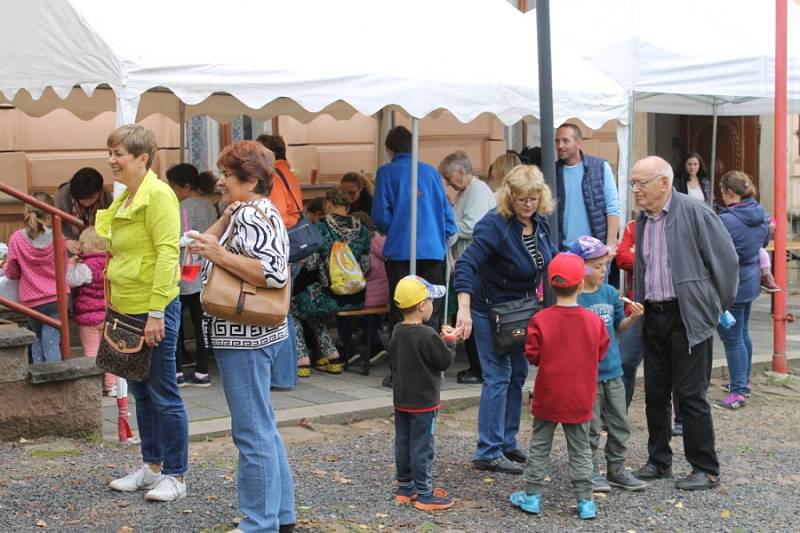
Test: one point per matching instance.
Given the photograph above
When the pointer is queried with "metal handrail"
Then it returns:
(61, 280)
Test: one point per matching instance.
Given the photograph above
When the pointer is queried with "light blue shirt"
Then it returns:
(576, 219)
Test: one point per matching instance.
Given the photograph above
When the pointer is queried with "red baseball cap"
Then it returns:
(568, 266)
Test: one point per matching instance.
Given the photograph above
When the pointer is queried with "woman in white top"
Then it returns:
(692, 178)
(259, 255)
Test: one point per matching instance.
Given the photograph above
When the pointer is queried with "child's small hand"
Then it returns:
(449, 334)
(74, 260)
(637, 310)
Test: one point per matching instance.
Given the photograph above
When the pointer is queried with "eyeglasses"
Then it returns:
(226, 173)
(638, 184)
(527, 201)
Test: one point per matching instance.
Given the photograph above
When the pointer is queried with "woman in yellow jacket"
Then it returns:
(142, 226)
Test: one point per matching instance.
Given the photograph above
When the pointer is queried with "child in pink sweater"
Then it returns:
(89, 302)
(30, 260)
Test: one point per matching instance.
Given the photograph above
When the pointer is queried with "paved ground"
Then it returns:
(352, 395)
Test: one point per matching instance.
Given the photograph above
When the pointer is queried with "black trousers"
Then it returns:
(432, 271)
(192, 301)
(668, 366)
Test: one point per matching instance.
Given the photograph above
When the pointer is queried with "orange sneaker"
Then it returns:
(438, 500)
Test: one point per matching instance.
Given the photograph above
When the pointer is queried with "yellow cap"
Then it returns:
(411, 290)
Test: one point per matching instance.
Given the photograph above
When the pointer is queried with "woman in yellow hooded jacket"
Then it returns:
(143, 228)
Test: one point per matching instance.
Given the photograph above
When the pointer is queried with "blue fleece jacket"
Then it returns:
(391, 210)
(498, 254)
(748, 226)
(605, 303)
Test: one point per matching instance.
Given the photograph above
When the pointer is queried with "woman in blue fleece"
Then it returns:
(509, 253)
(748, 225)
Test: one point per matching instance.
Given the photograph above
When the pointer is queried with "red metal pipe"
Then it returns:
(779, 363)
(47, 208)
(61, 287)
(27, 311)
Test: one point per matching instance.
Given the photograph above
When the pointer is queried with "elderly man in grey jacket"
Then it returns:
(685, 274)
(473, 201)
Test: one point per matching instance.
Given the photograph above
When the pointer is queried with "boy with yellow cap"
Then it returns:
(417, 356)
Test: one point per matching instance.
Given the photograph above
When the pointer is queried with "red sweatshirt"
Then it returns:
(567, 344)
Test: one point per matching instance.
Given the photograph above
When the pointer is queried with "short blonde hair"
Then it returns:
(503, 165)
(91, 240)
(524, 180)
(136, 140)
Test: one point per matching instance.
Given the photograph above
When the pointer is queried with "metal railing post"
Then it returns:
(61, 287)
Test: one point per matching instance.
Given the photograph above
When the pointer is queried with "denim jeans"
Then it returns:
(413, 449)
(283, 370)
(163, 425)
(630, 350)
(266, 490)
(501, 394)
(738, 347)
(47, 346)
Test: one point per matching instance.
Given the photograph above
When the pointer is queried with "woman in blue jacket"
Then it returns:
(748, 225)
(506, 261)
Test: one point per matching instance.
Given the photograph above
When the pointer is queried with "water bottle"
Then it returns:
(727, 320)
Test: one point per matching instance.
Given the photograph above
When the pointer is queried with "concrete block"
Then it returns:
(84, 393)
(77, 423)
(16, 337)
(14, 429)
(13, 363)
(70, 369)
(20, 400)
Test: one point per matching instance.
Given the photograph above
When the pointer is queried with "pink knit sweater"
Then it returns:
(35, 268)
(377, 283)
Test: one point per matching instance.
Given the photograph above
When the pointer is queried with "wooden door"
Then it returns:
(737, 144)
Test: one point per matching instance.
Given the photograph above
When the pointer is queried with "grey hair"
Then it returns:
(458, 160)
(665, 169)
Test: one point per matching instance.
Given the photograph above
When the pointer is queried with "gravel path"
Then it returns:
(344, 482)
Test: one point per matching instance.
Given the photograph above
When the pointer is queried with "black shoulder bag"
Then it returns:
(304, 237)
(509, 321)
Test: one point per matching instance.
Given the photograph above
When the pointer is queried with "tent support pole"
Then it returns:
(779, 363)
(546, 127)
(412, 253)
(182, 125)
(626, 191)
(713, 162)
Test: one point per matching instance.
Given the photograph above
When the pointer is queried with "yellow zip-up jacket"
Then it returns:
(143, 240)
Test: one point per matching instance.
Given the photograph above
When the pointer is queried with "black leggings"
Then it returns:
(192, 301)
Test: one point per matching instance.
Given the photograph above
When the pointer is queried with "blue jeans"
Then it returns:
(163, 425)
(266, 490)
(631, 352)
(738, 347)
(47, 346)
(284, 367)
(413, 449)
(501, 394)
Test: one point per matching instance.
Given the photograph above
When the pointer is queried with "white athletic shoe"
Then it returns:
(168, 489)
(144, 478)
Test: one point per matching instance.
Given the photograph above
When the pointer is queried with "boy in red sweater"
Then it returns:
(567, 343)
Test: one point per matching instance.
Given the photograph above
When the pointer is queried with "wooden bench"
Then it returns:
(370, 313)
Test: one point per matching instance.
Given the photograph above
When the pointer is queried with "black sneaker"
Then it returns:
(181, 379)
(500, 464)
(194, 381)
(698, 480)
(468, 377)
(599, 483)
(516, 456)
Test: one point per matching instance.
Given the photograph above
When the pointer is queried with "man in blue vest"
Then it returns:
(588, 203)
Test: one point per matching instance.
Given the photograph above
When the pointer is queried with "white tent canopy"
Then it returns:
(267, 59)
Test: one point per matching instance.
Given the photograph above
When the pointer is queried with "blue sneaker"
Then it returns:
(587, 509)
(527, 502)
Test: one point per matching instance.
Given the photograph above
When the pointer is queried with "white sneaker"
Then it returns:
(237, 530)
(168, 489)
(144, 478)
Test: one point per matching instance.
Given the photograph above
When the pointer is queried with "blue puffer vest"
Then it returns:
(593, 197)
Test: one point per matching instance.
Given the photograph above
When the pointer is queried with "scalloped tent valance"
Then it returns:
(287, 58)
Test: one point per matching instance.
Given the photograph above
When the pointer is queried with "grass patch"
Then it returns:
(93, 437)
(218, 528)
(52, 454)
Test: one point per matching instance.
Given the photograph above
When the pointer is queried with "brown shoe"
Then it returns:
(698, 480)
(649, 472)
